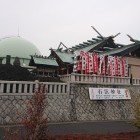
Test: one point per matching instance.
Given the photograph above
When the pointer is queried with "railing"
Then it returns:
(29, 87)
(136, 81)
(54, 87)
(97, 79)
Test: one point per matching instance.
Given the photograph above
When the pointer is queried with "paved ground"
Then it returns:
(84, 127)
(92, 127)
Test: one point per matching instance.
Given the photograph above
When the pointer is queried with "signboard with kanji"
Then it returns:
(109, 94)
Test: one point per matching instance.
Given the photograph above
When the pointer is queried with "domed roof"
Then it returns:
(17, 47)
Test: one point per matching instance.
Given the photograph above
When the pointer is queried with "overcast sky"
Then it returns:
(46, 23)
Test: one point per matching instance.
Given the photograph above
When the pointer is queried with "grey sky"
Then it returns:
(48, 22)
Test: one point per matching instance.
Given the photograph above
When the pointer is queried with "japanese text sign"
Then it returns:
(109, 94)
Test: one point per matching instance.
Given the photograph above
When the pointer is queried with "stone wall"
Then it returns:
(57, 107)
(90, 110)
(72, 106)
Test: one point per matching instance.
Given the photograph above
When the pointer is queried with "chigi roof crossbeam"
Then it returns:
(132, 39)
(97, 32)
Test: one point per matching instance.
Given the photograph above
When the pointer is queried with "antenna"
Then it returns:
(97, 32)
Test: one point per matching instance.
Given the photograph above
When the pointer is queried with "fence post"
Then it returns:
(73, 115)
(36, 84)
(72, 77)
(1, 87)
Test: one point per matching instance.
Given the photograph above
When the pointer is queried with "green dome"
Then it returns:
(17, 47)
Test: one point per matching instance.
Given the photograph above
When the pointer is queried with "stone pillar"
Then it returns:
(73, 115)
(36, 85)
(72, 77)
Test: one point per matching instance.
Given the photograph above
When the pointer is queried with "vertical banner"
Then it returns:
(102, 65)
(109, 66)
(113, 65)
(125, 67)
(90, 63)
(83, 60)
(87, 62)
(119, 66)
(116, 65)
(75, 62)
(79, 67)
(95, 63)
(122, 66)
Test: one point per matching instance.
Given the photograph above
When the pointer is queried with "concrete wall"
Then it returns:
(72, 106)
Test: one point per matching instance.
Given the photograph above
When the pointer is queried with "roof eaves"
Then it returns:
(65, 57)
(45, 61)
(122, 50)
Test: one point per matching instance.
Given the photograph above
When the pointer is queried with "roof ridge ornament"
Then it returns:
(97, 32)
(116, 35)
(132, 39)
(100, 36)
(61, 43)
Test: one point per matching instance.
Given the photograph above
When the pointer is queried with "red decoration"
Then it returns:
(87, 62)
(79, 67)
(103, 66)
(95, 63)
(116, 65)
(122, 66)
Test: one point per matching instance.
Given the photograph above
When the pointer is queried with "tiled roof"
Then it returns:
(91, 45)
(45, 61)
(103, 46)
(66, 57)
(126, 49)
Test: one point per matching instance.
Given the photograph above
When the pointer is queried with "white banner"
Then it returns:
(75, 62)
(109, 94)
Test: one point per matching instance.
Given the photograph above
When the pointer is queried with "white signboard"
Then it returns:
(109, 94)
